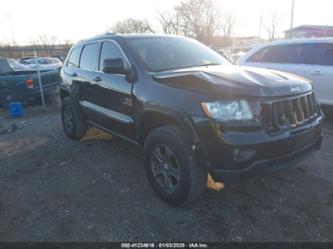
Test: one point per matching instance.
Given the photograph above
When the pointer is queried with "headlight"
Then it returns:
(228, 110)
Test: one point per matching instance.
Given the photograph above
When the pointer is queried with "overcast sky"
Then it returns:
(75, 20)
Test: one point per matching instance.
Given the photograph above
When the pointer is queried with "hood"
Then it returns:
(235, 81)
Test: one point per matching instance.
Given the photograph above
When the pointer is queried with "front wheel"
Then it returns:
(74, 127)
(171, 167)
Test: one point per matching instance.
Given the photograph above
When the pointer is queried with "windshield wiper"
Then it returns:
(210, 64)
(188, 66)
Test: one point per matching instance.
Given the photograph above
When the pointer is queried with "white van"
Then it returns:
(309, 58)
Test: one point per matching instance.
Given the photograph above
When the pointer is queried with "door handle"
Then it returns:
(317, 73)
(74, 74)
(97, 79)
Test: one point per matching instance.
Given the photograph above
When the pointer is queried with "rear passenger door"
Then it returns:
(320, 72)
(287, 58)
(85, 75)
(71, 66)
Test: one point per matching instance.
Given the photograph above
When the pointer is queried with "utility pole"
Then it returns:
(11, 29)
(292, 17)
(39, 80)
(260, 24)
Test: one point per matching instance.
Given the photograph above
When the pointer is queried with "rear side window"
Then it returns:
(110, 51)
(281, 54)
(322, 54)
(89, 56)
(74, 58)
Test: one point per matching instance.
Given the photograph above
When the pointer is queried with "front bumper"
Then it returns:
(265, 152)
(267, 166)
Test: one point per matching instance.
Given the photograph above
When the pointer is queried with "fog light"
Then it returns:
(243, 155)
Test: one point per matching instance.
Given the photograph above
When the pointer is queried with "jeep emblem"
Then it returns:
(295, 89)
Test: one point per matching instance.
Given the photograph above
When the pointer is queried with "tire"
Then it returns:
(73, 125)
(183, 180)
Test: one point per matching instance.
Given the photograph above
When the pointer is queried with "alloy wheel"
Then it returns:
(68, 120)
(165, 167)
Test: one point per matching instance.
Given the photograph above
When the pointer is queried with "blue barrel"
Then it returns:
(16, 109)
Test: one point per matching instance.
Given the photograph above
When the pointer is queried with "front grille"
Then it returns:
(289, 112)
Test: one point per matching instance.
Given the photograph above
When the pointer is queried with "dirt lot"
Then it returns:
(56, 189)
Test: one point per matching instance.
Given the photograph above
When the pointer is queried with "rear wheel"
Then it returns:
(171, 167)
(74, 127)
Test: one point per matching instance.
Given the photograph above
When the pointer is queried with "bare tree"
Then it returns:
(228, 24)
(200, 19)
(132, 25)
(271, 26)
(68, 43)
(6, 43)
(170, 22)
(45, 40)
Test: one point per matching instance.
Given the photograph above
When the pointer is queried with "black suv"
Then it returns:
(193, 112)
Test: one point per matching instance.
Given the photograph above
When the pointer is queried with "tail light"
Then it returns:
(29, 83)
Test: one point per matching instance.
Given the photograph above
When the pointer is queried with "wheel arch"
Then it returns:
(153, 117)
(64, 92)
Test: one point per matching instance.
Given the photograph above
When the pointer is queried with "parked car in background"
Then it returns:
(193, 112)
(60, 57)
(15, 64)
(22, 85)
(44, 63)
(235, 57)
(309, 58)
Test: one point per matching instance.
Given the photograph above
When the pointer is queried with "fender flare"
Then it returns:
(65, 88)
(182, 119)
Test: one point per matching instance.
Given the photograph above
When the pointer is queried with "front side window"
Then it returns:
(322, 54)
(73, 60)
(89, 56)
(164, 53)
(110, 51)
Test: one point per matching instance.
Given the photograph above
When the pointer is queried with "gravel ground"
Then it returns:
(56, 189)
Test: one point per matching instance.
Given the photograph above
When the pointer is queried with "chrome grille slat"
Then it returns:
(275, 115)
(314, 104)
(305, 105)
(289, 112)
(299, 110)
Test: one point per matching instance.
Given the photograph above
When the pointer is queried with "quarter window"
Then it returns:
(89, 56)
(73, 60)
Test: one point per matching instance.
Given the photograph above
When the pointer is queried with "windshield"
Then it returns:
(164, 53)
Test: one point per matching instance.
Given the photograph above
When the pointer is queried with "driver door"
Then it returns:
(114, 101)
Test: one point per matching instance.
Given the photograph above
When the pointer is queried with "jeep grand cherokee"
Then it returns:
(193, 112)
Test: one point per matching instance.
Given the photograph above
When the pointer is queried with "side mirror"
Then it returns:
(114, 66)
